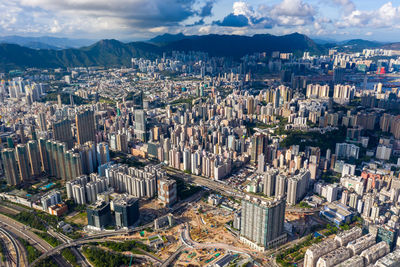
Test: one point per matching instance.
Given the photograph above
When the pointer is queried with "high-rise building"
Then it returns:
(59, 102)
(85, 125)
(135, 182)
(126, 211)
(344, 150)
(167, 192)
(385, 122)
(99, 215)
(186, 160)
(270, 182)
(49, 199)
(387, 234)
(262, 222)
(258, 143)
(383, 152)
(338, 75)
(103, 153)
(297, 187)
(281, 185)
(62, 132)
(21, 154)
(87, 152)
(34, 157)
(261, 163)
(10, 166)
(317, 91)
(250, 105)
(42, 121)
(140, 125)
(395, 127)
(342, 94)
(122, 143)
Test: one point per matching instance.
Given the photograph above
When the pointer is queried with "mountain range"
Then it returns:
(45, 42)
(47, 52)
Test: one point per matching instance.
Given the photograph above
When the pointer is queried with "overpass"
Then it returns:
(83, 242)
(101, 237)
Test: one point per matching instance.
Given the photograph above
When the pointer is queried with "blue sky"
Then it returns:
(142, 19)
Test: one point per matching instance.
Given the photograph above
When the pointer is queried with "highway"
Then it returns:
(171, 258)
(15, 248)
(103, 235)
(228, 190)
(21, 230)
(80, 243)
(81, 260)
(302, 210)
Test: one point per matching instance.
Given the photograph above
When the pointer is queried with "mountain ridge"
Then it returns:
(111, 52)
(45, 42)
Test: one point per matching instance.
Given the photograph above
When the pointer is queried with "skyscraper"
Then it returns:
(140, 125)
(22, 160)
(269, 182)
(167, 191)
(62, 132)
(103, 153)
(10, 166)
(85, 125)
(250, 105)
(42, 121)
(262, 222)
(126, 211)
(122, 143)
(34, 157)
(258, 142)
(297, 186)
(43, 155)
(99, 215)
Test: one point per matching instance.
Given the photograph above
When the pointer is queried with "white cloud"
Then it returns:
(242, 8)
(347, 5)
(143, 18)
(289, 13)
(293, 8)
(159, 29)
(386, 16)
(135, 13)
(56, 28)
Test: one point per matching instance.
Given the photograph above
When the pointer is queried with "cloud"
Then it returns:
(289, 13)
(144, 18)
(133, 13)
(286, 13)
(197, 23)
(293, 8)
(233, 20)
(242, 8)
(347, 5)
(387, 16)
(206, 10)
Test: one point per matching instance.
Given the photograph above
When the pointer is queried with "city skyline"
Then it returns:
(140, 20)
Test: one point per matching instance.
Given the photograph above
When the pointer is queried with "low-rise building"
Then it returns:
(390, 260)
(337, 213)
(334, 257)
(58, 209)
(345, 237)
(316, 251)
(372, 254)
(355, 261)
(362, 243)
